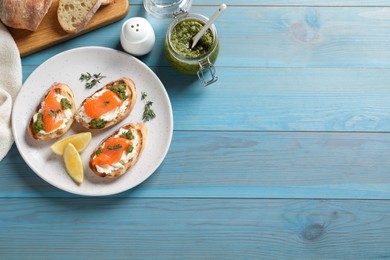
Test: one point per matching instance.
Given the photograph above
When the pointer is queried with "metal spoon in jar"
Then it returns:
(199, 35)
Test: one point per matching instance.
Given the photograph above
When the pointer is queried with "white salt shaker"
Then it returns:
(137, 36)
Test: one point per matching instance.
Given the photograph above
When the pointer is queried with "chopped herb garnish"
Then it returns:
(115, 147)
(120, 90)
(128, 135)
(148, 111)
(53, 112)
(143, 95)
(65, 103)
(106, 102)
(129, 149)
(85, 77)
(91, 80)
(97, 123)
(99, 151)
(38, 125)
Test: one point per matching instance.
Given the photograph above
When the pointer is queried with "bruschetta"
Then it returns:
(116, 154)
(107, 106)
(54, 115)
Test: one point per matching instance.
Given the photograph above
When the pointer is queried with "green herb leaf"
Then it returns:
(38, 125)
(115, 147)
(85, 77)
(53, 112)
(91, 80)
(97, 123)
(65, 103)
(143, 95)
(129, 149)
(99, 151)
(120, 90)
(128, 135)
(148, 114)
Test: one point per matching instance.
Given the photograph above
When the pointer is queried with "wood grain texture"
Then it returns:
(50, 32)
(247, 165)
(279, 99)
(112, 228)
(285, 157)
(281, 37)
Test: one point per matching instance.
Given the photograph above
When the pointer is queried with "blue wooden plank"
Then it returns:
(271, 37)
(285, 69)
(247, 165)
(304, 66)
(155, 228)
(261, 99)
(282, 100)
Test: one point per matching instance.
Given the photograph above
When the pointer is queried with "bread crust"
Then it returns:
(107, 2)
(64, 90)
(24, 14)
(142, 132)
(131, 97)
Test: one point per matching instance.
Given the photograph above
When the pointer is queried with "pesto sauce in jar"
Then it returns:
(181, 39)
(177, 46)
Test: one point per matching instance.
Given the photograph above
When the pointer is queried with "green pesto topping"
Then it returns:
(53, 112)
(98, 151)
(115, 147)
(65, 104)
(38, 125)
(97, 123)
(129, 149)
(120, 90)
(181, 39)
(128, 135)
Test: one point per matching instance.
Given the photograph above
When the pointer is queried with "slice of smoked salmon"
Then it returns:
(52, 112)
(96, 107)
(112, 151)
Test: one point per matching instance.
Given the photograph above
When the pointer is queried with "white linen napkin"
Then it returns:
(10, 84)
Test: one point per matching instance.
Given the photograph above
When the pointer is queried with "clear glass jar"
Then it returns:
(202, 57)
(166, 8)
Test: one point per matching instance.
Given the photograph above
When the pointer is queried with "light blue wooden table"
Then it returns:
(286, 156)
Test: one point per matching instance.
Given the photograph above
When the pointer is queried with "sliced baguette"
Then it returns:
(138, 129)
(65, 91)
(131, 93)
(74, 15)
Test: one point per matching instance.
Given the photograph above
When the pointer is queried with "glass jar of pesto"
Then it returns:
(181, 56)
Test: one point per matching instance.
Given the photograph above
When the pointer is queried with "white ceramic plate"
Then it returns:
(67, 67)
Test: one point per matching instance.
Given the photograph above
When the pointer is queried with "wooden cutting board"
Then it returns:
(50, 32)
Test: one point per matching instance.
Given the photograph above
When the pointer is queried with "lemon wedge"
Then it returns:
(73, 163)
(80, 142)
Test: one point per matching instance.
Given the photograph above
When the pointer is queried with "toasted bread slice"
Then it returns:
(133, 135)
(129, 96)
(74, 15)
(57, 104)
